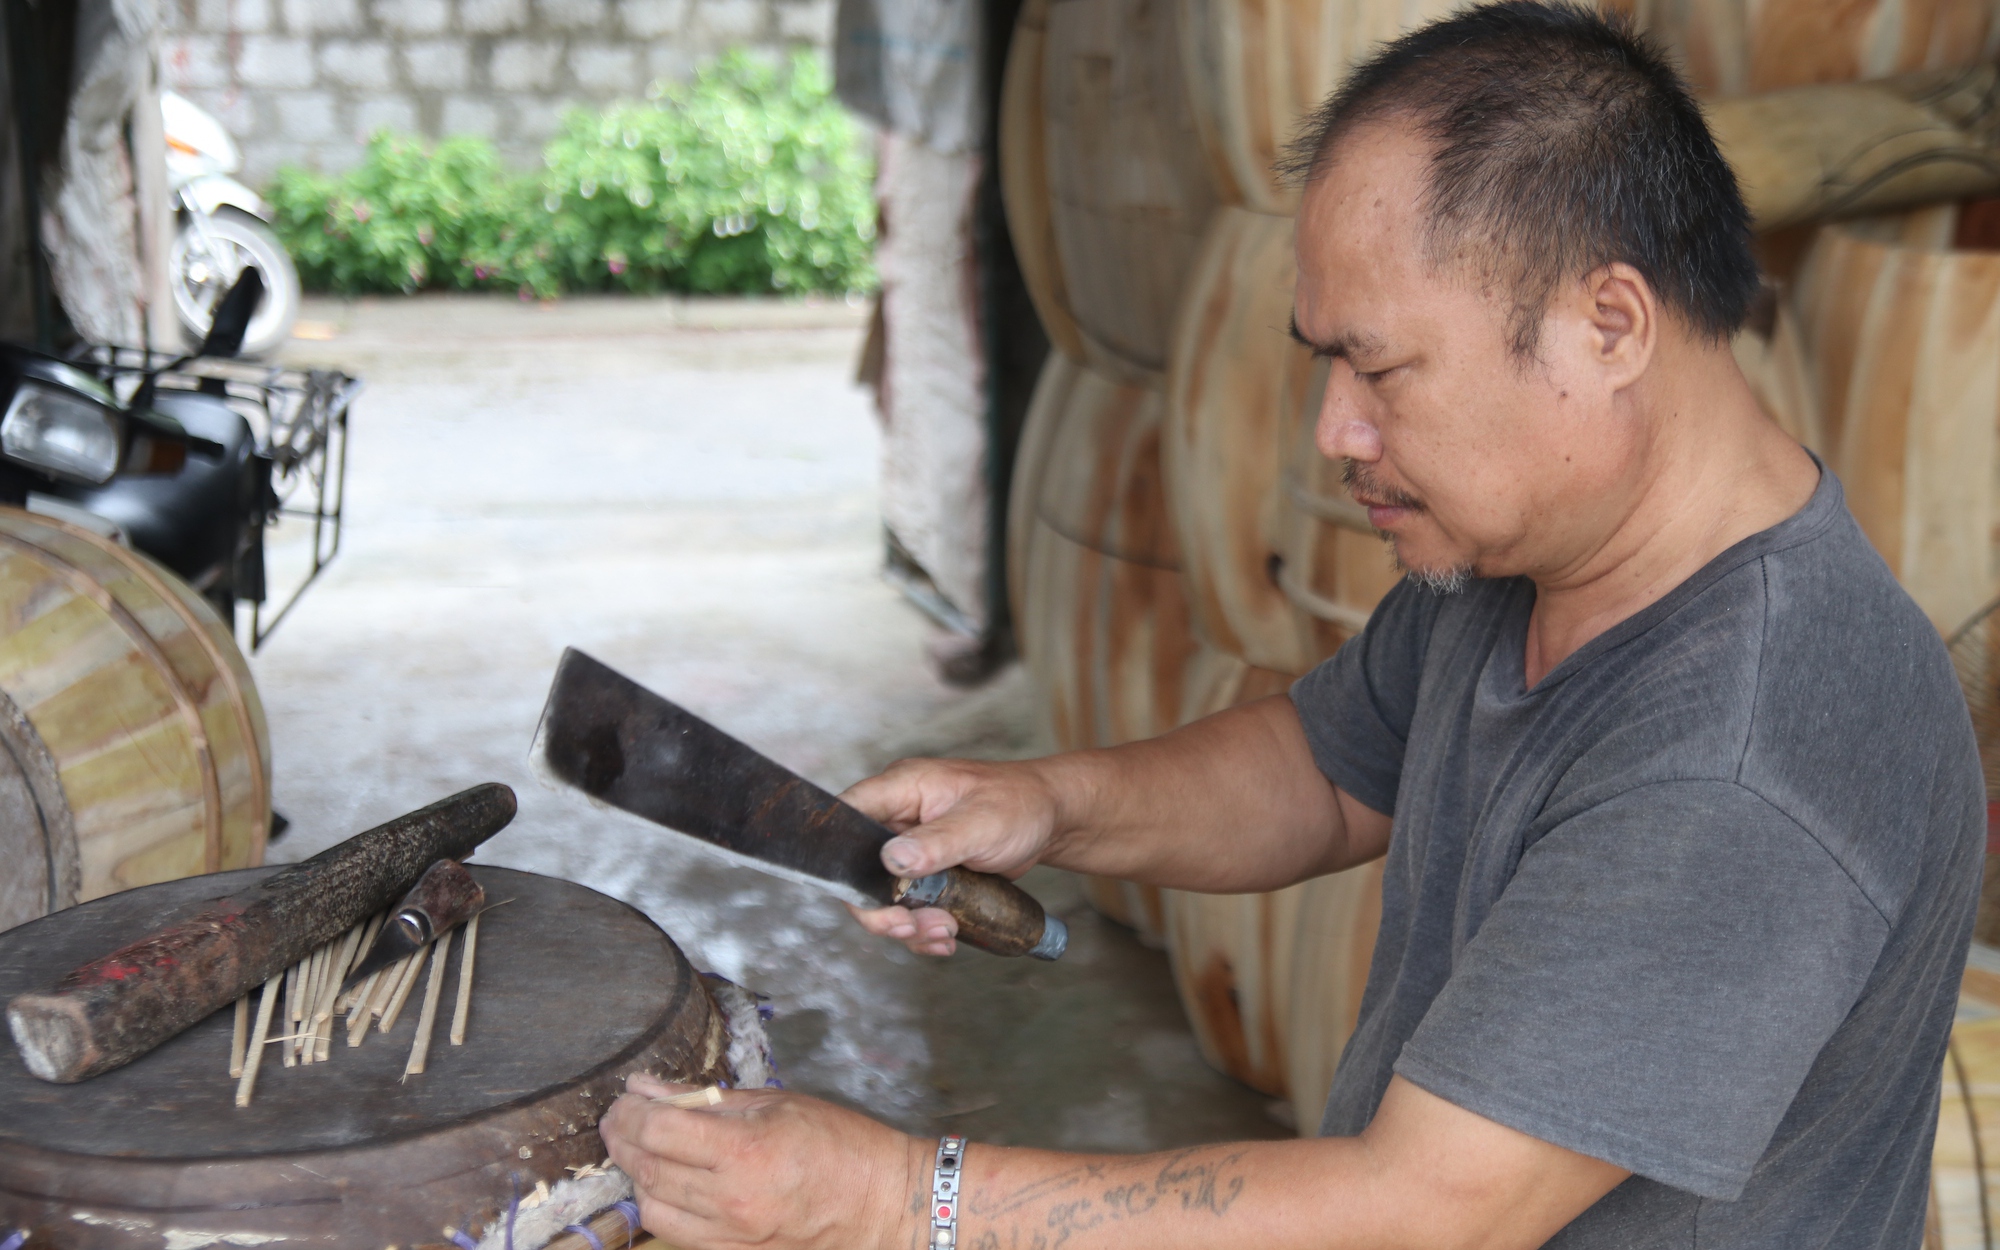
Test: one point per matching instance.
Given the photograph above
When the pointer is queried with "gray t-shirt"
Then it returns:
(1697, 904)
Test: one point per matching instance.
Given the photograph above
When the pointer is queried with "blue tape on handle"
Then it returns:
(585, 1233)
(463, 1240)
(16, 1241)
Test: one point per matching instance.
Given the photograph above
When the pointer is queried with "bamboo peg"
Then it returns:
(712, 1096)
(292, 975)
(357, 994)
(463, 1008)
(239, 1036)
(403, 988)
(385, 989)
(420, 1048)
(359, 1017)
(330, 995)
(315, 976)
(254, 1057)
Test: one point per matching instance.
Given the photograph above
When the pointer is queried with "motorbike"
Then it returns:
(189, 459)
(222, 229)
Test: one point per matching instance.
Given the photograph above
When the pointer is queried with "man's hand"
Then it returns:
(1231, 804)
(995, 818)
(786, 1172)
(767, 1168)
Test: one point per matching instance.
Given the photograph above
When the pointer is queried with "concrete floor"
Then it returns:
(686, 490)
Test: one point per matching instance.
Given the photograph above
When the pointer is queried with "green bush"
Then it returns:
(751, 179)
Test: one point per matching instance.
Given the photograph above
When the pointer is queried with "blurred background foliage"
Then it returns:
(751, 179)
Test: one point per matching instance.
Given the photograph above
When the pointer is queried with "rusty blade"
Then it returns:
(624, 746)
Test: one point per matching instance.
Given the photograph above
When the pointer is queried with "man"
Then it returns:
(1681, 806)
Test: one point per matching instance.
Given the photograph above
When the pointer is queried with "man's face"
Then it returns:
(1469, 458)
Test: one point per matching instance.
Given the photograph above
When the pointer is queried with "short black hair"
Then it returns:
(1563, 142)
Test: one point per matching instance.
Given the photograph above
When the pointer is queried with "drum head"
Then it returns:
(572, 991)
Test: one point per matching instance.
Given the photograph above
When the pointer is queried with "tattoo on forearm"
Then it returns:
(1046, 1214)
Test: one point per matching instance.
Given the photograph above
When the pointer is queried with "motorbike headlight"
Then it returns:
(60, 433)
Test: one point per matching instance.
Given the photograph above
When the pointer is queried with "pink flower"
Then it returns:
(362, 211)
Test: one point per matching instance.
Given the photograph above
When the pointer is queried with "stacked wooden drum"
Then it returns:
(133, 747)
(1178, 544)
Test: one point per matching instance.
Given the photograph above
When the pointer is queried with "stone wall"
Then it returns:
(308, 81)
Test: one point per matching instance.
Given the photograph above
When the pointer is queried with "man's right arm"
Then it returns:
(1232, 803)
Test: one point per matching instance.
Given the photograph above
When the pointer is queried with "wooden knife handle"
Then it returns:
(992, 912)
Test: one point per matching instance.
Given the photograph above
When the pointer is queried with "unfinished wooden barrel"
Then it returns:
(1024, 179)
(1771, 351)
(1140, 908)
(1255, 68)
(1104, 622)
(1232, 953)
(1815, 152)
(353, 1151)
(1100, 613)
(1730, 47)
(135, 748)
(1129, 188)
(1045, 412)
(1904, 332)
(1333, 943)
(1234, 394)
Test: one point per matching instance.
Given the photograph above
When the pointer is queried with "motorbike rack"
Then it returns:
(299, 418)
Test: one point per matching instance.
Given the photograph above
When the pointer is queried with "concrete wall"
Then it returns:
(308, 81)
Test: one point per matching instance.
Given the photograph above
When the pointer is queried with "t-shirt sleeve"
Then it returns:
(1357, 706)
(1654, 984)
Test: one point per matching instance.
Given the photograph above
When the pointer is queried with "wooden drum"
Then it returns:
(1129, 188)
(1281, 565)
(1024, 180)
(1232, 953)
(1255, 68)
(1100, 611)
(1333, 944)
(1103, 620)
(133, 747)
(573, 992)
(1904, 335)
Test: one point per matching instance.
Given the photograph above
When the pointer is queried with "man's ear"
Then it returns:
(1624, 320)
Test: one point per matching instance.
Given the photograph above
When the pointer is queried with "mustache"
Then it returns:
(1360, 480)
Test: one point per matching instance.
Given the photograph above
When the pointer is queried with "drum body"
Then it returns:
(1129, 188)
(1101, 614)
(1904, 335)
(1333, 945)
(1104, 619)
(1281, 564)
(135, 747)
(1024, 179)
(574, 991)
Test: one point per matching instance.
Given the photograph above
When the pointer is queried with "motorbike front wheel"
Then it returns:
(203, 271)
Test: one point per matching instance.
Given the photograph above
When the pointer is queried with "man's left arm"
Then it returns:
(793, 1173)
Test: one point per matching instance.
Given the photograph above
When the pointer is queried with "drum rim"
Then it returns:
(12, 1150)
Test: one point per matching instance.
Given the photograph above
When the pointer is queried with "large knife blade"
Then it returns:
(623, 746)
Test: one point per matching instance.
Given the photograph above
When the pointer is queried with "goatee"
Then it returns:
(1448, 580)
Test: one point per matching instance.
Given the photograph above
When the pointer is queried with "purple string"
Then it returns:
(628, 1208)
(16, 1241)
(464, 1240)
(585, 1233)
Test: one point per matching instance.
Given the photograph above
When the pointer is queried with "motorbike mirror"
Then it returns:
(232, 315)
